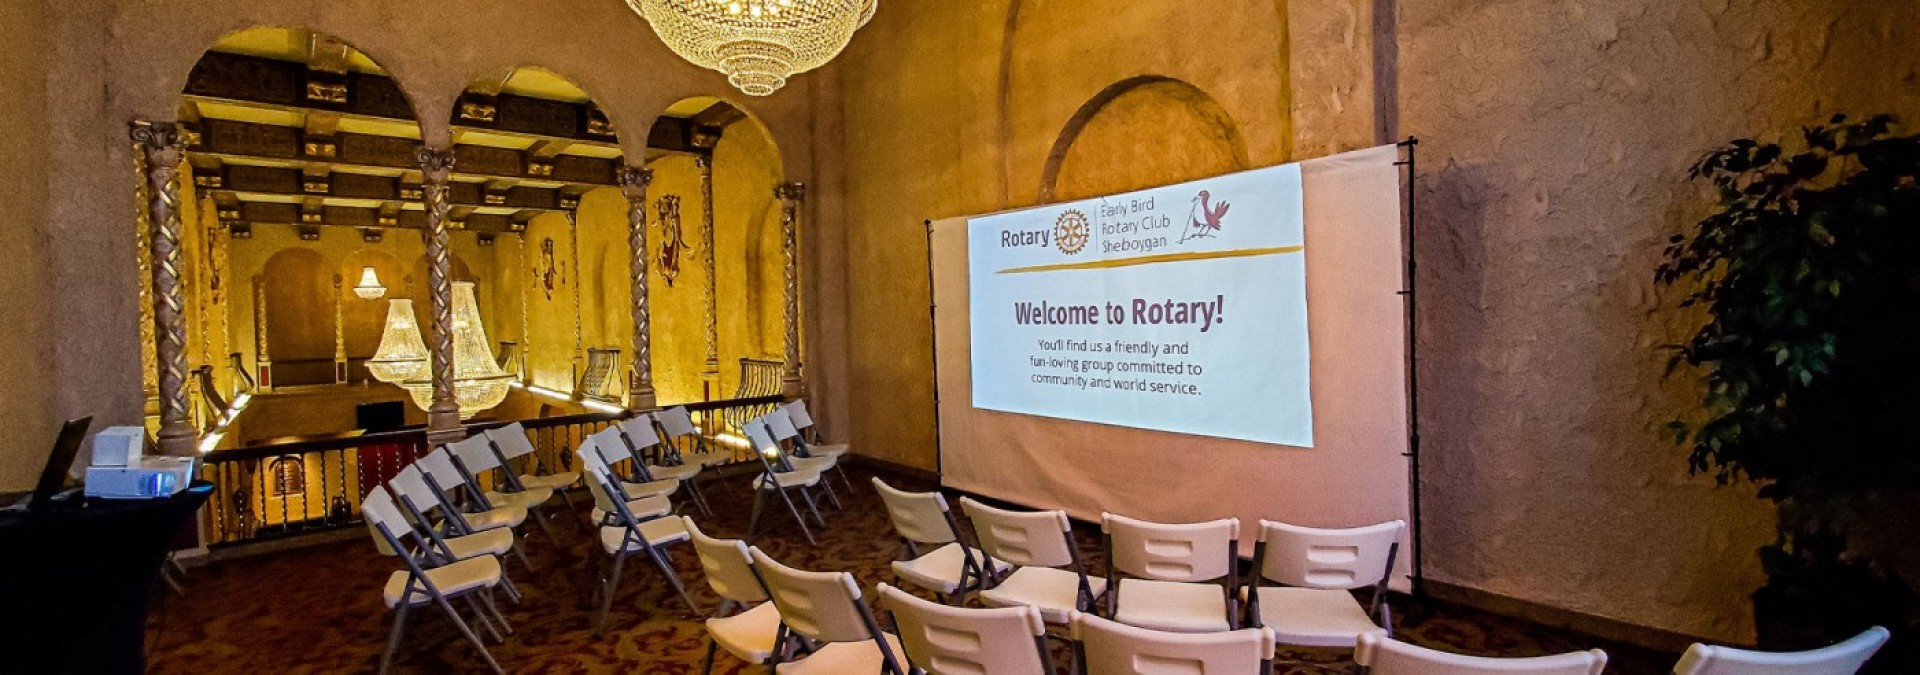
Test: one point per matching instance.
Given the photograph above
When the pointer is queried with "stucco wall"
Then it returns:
(1555, 141)
(24, 280)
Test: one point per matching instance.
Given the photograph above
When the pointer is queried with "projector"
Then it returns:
(151, 478)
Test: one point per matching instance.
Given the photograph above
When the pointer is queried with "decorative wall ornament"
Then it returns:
(671, 241)
(757, 43)
(547, 271)
(476, 110)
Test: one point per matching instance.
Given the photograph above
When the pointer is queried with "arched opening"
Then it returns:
(1098, 151)
(718, 329)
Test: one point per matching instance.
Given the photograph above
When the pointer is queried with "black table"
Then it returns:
(75, 580)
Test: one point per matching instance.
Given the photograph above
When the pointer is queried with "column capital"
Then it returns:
(436, 164)
(634, 180)
(790, 191)
(155, 135)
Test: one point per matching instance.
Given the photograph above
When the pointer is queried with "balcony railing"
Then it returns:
(315, 485)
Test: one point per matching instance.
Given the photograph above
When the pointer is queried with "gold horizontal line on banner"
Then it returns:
(1156, 258)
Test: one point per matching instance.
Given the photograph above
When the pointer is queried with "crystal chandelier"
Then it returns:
(369, 288)
(402, 355)
(478, 381)
(757, 43)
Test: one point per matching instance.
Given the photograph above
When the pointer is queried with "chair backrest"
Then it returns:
(768, 451)
(1387, 656)
(597, 476)
(1112, 647)
(918, 516)
(475, 453)
(1841, 659)
(1187, 552)
(677, 421)
(822, 606)
(1024, 538)
(438, 465)
(780, 425)
(384, 518)
(610, 445)
(412, 486)
(728, 565)
(797, 411)
(639, 431)
(511, 440)
(1327, 559)
(942, 639)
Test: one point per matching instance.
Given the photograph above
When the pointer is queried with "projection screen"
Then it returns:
(1351, 469)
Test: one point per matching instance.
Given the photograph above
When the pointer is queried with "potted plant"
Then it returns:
(1805, 279)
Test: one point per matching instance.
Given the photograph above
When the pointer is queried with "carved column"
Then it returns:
(791, 194)
(443, 417)
(160, 143)
(633, 183)
(262, 359)
(339, 332)
(710, 375)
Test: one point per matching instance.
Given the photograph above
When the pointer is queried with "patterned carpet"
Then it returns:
(318, 610)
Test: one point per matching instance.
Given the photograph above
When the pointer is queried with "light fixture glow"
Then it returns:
(402, 355)
(478, 381)
(369, 287)
(757, 43)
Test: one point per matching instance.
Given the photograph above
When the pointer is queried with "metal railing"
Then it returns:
(315, 485)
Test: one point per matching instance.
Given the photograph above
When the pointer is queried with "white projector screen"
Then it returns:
(1342, 462)
(1116, 309)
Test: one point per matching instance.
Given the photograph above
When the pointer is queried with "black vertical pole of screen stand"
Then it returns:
(1413, 383)
(933, 337)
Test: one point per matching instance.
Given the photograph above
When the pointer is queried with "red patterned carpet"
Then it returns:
(318, 610)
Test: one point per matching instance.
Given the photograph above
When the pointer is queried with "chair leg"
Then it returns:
(795, 510)
(843, 475)
(513, 592)
(699, 498)
(520, 552)
(813, 506)
(831, 493)
(759, 502)
(486, 598)
(606, 598)
(468, 631)
(666, 568)
(393, 638)
(706, 666)
(536, 514)
(485, 620)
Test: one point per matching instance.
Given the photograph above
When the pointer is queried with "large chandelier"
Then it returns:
(402, 355)
(369, 288)
(478, 381)
(757, 43)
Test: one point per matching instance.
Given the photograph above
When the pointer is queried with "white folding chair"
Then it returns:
(825, 608)
(421, 584)
(443, 548)
(1048, 574)
(797, 417)
(611, 448)
(638, 435)
(474, 458)
(681, 434)
(1381, 655)
(418, 491)
(511, 442)
(626, 533)
(944, 640)
(1112, 648)
(1168, 564)
(951, 569)
(1320, 568)
(1844, 658)
(782, 431)
(745, 624)
(780, 480)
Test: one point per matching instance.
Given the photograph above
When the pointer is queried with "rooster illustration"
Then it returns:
(1204, 219)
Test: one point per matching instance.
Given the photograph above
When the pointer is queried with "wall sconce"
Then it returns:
(369, 287)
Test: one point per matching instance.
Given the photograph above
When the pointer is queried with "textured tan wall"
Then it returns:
(24, 279)
(1555, 140)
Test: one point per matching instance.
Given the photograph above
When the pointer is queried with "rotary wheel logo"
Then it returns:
(1070, 231)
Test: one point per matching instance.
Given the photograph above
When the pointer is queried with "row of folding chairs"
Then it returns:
(791, 465)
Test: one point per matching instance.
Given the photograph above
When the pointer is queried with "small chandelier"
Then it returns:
(478, 381)
(369, 288)
(757, 43)
(402, 355)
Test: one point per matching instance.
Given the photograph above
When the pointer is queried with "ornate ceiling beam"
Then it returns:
(255, 143)
(248, 214)
(281, 182)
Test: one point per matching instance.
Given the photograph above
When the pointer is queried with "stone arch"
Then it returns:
(299, 305)
(1197, 138)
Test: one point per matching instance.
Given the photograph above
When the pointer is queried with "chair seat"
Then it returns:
(749, 635)
(1307, 617)
(828, 449)
(1052, 591)
(658, 531)
(491, 542)
(790, 479)
(556, 481)
(1173, 606)
(815, 464)
(530, 498)
(465, 575)
(650, 488)
(705, 458)
(505, 516)
(939, 570)
(678, 472)
(644, 507)
(847, 657)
